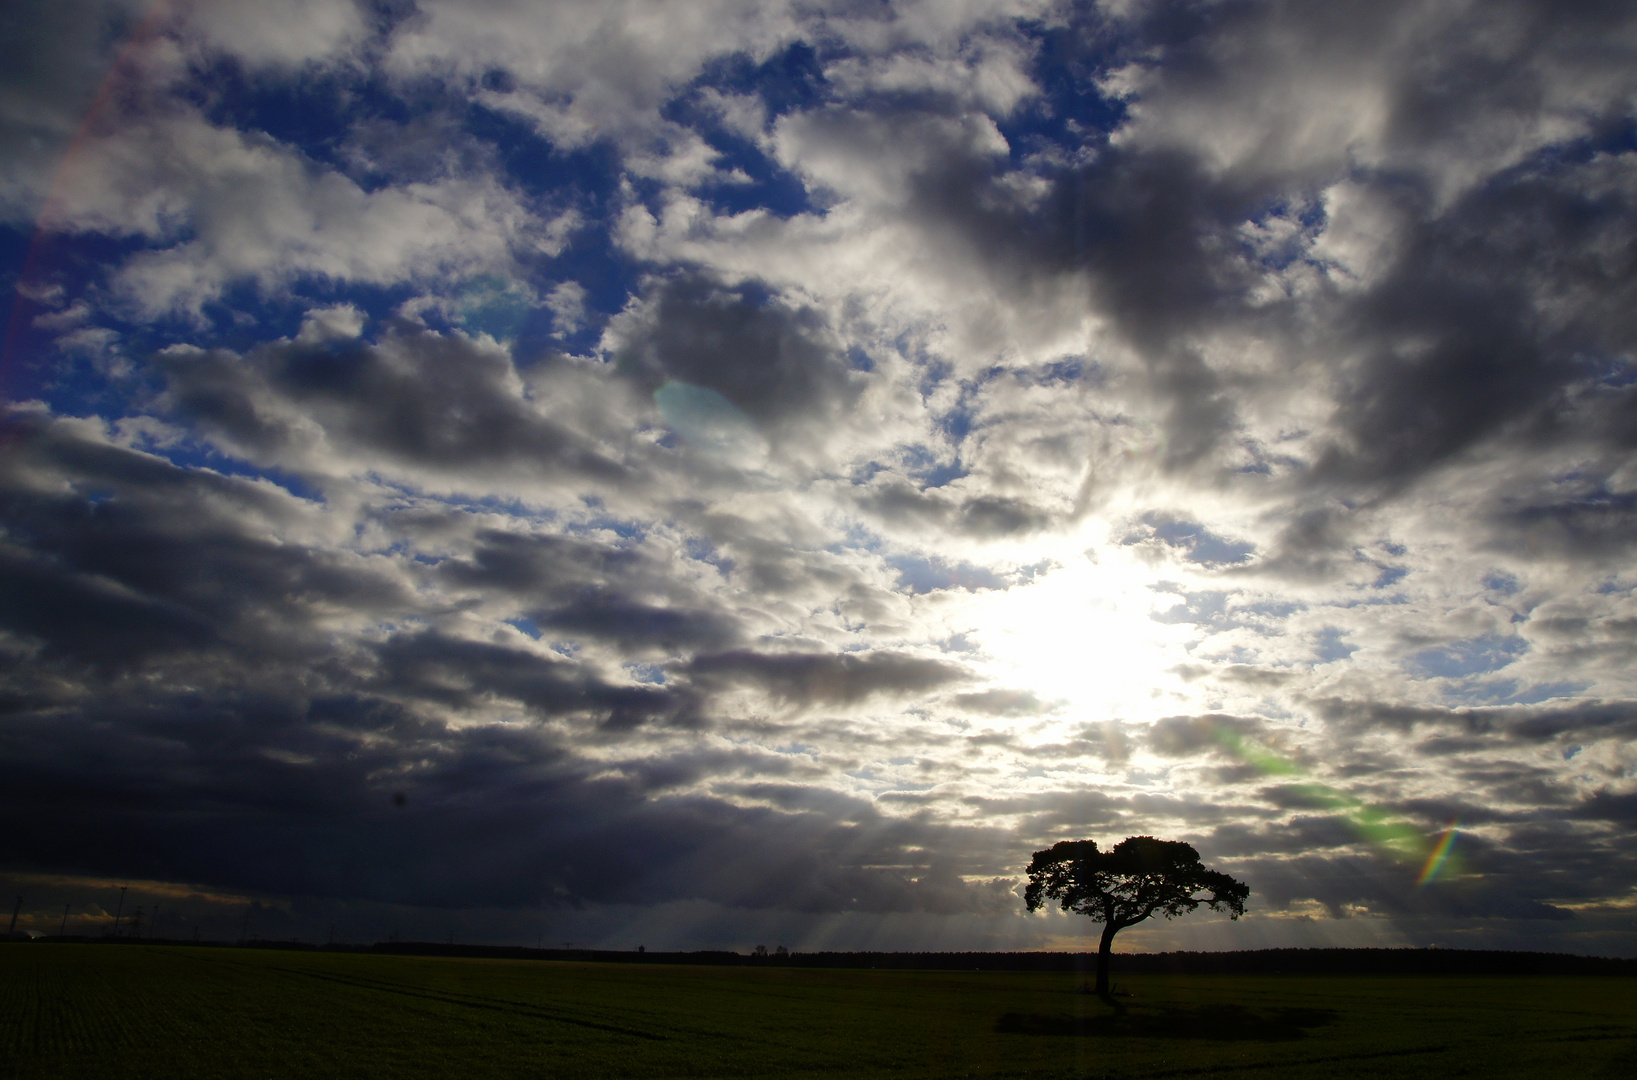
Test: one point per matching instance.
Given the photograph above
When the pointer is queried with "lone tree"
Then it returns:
(1140, 877)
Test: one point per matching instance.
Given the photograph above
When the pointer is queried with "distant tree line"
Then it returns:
(1250, 962)
(1259, 961)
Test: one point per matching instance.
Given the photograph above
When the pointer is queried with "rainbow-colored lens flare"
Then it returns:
(1440, 852)
(1399, 839)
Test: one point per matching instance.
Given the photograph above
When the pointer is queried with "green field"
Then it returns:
(135, 1011)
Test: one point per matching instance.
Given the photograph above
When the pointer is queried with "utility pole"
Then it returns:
(153, 922)
(120, 909)
(63, 929)
(12, 929)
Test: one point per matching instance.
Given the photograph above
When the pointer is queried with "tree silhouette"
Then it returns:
(1138, 878)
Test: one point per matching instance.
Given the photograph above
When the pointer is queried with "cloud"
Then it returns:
(1000, 702)
(221, 208)
(438, 405)
(817, 454)
(56, 57)
(770, 361)
(312, 32)
(633, 625)
(1199, 543)
(801, 678)
(1179, 736)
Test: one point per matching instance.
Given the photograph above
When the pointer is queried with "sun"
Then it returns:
(1084, 635)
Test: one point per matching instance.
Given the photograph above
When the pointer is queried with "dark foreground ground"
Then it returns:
(136, 1011)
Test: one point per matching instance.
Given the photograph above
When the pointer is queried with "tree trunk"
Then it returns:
(1103, 951)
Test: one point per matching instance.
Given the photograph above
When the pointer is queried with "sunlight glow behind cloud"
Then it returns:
(715, 469)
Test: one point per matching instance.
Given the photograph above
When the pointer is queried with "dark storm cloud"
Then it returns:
(577, 587)
(84, 620)
(523, 564)
(424, 399)
(1349, 885)
(459, 674)
(268, 768)
(1604, 806)
(834, 678)
(279, 775)
(117, 556)
(1525, 858)
(1152, 231)
(293, 797)
(1148, 226)
(1599, 526)
(1308, 858)
(1529, 793)
(1357, 713)
(1478, 328)
(248, 758)
(1597, 719)
(534, 566)
(1522, 723)
(1524, 862)
(774, 360)
(633, 624)
(984, 517)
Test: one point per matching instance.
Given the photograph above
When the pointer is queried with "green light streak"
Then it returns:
(1391, 835)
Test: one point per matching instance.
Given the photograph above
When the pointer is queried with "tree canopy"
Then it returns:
(1140, 877)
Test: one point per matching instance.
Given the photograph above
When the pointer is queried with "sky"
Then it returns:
(713, 473)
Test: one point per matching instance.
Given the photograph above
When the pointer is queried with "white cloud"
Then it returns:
(567, 304)
(340, 322)
(1310, 93)
(225, 207)
(584, 66)
(987, 72)
(288, 34)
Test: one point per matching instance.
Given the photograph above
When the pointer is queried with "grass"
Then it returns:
(133, 1011)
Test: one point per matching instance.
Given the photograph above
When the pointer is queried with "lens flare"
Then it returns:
(1440, 854)
(1398, 839)
(123, 65)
